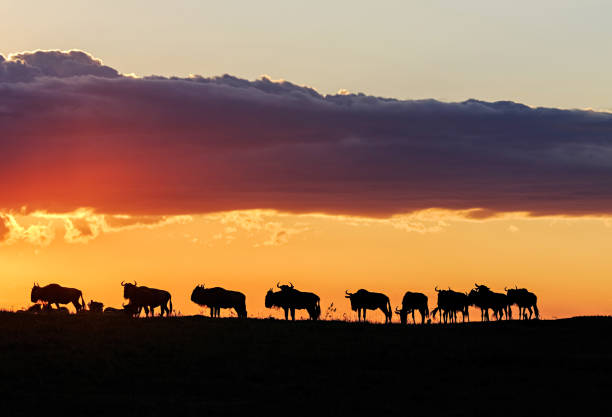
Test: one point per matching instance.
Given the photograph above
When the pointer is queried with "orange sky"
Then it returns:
(564, 261)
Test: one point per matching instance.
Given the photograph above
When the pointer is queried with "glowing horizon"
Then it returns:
(174, 181)
(250, 251)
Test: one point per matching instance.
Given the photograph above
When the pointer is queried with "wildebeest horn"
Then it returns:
(348, 293)
(278, 284)
(397, 311)
(122, 283)
(437, 288)
(505, 288)
(135, 283)
(291, 283)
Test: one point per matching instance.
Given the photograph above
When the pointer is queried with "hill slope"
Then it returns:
(196, 365)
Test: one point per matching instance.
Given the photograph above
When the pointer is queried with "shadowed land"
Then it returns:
(188, 365)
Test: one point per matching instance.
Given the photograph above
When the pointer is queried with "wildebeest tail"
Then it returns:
(83, 301)
(170, 302)
(390, 315)
(426, 311)
(536, 311)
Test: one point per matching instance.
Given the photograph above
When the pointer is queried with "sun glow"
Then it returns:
(252, 250)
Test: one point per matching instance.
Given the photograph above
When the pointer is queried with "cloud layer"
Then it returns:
(76, 133)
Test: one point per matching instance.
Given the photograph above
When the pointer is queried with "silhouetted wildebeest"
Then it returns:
(36, 308)
(147, 298)
(525, 300)
(48, 309)
(364, 300)
(128, 310)
(290, 299)
(59, 310)
(95, 307)
(56, 294)
(413, 301)
(485, 299)
(217, 298)
(449, 303)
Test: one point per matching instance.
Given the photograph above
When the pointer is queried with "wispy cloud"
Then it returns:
(80, 226)
(265, 227)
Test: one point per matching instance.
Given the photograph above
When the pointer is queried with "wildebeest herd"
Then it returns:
(288, 298)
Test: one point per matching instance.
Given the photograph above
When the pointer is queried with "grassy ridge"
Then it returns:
(188, 365)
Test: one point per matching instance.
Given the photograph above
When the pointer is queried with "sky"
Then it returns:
(338, 147)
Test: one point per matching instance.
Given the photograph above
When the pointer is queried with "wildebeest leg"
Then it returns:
(530, 312)
(364, 314)
(212, 311)
(293, 314)
(286, 313)
(413, 320)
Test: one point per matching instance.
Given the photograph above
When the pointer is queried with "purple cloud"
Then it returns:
(76, 133)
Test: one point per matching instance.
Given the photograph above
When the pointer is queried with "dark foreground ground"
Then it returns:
(80, 365)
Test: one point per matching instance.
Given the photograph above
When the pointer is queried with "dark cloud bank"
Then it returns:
(76, 133)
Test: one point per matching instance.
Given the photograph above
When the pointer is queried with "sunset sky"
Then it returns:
(338, 146)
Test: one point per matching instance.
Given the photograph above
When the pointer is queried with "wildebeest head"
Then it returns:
(270, 298)
(95, 306)
(197, 294)
(36, 308)
(35, 295)
(351, 296)
(284, 287)
(131, 309)
(482, 288)
(128, 289)
(403, 315)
